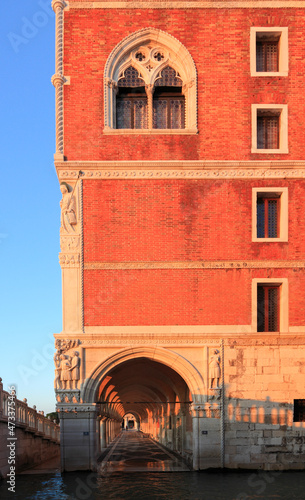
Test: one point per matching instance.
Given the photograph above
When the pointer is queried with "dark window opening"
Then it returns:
(268, 130)
(168, 101)
(168, 109)
(267, 55)
(131, 102)
(268, 308)
(299, 410)
(267, 216)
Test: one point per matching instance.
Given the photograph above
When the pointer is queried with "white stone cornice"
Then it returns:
(181, 169)
(226, 4)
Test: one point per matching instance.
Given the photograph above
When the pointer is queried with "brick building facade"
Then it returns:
(180, 157)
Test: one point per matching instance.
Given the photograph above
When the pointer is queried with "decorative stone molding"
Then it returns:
(171, 172)
(226, 4)
(63, 345)
(58, 79)
(69, 243)
(69, 260)
(67, 396)
(158, 50)
(252, 264)
(76, 408)
(58, 5)
(133, 340)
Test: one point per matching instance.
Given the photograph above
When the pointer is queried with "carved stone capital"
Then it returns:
(58, 80)
(197, 410)
(58, 5)
(76, 408)
(149, 89)
(64, 345)
(67, 396)
(69, 260)
(111, 84)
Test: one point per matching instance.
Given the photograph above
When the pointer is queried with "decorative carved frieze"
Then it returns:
(63, 345)
(69, 243)
(69, 260)
(142, 340)
(201, 4)
(174, 173)
(258, 264)
(67, 396)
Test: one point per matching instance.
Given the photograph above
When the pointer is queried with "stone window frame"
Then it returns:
(283, 127)
(283, 302)
(150, 41)
(282, 32)
(282, 192)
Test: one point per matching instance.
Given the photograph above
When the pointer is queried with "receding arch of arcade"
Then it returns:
(156, 385)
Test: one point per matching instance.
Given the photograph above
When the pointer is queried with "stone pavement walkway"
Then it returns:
(133, 451)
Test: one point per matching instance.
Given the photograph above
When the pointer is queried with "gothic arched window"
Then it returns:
(131, 101)
(168, 101)
(150, 85)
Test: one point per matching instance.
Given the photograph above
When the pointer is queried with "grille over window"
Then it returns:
(267, 308)
(168, 78)
(268, 132)
(267, 217)
(131, 78)
(267, 56)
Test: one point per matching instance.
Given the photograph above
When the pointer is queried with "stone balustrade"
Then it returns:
(28, 419)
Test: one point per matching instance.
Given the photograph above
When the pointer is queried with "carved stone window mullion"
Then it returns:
(149, 89)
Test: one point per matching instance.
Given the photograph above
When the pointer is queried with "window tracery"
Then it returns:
(150, 83)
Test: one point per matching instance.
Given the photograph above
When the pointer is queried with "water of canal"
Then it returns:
(207, 485)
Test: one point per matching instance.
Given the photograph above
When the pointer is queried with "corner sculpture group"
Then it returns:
(66, 370)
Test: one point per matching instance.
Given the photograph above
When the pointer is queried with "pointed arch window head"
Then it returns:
(150, 85)
(131, 101)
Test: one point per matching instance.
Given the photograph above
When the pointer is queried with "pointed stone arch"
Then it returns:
(150, 42)
(173, 360)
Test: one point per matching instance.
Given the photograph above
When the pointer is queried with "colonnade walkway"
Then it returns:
(134, 451)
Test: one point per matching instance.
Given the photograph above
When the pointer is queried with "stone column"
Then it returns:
(103, 436)
(197, 413)
(78, 436)
(149, 89)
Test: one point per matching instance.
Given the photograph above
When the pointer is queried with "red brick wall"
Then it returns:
(218, 41)
(179, 220)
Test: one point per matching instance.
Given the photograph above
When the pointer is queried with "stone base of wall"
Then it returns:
(30, 450)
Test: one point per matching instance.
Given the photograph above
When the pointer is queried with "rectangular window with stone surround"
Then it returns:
(268, 300)
(270, 305)
(270, 214)
(269, 51)
(269, 128)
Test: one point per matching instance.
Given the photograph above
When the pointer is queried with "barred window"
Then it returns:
(168, 101)
(267, 55)
(131, 102)
(268, 308)
(268, 128)
(267, 212)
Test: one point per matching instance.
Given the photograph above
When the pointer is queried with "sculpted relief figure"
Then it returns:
(214, 369)
(68, 209)
(65, 372)
(75, 364)
(57, 384)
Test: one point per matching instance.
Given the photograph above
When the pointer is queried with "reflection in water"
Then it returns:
(208, 485)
